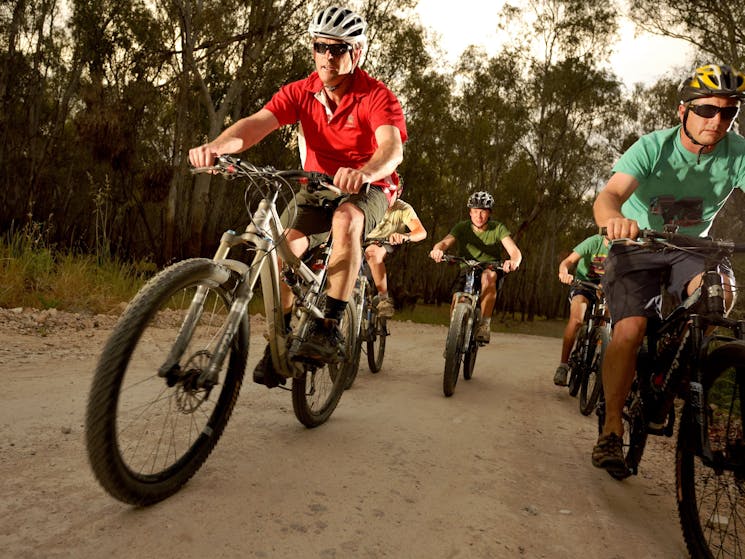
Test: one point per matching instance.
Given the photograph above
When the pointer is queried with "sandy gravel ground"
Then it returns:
(501, 469)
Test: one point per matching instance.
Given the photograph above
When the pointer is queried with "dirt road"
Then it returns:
(501, 469)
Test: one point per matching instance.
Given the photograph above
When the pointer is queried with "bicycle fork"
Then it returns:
(238, 309)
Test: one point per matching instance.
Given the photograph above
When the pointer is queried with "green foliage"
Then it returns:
(716, 29)
(34, 273)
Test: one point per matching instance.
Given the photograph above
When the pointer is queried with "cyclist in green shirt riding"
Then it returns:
(588, 257)
(483, 239)
(680, 177)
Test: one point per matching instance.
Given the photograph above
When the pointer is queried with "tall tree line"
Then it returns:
(100, 101)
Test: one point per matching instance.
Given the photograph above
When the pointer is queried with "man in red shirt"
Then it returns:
(351, 127)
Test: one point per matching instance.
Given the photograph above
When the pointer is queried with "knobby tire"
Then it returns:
(147, 435)
(577, 360)
(354, 367)
(376, 335)
(711, 500)
(316, 393)
(591, 383)
(471, 347)
(454, 347)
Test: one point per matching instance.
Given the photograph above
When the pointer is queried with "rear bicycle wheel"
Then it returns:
(354, 366)
(454, 347)
(316, 393)
(711, 497)
(149, 430)
(591, 382)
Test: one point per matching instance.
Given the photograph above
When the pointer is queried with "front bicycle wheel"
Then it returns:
(472, 348)
(376, 334)
(150, 422)
(454, 347)
(316, 393)
(634, 431)
(577, 361)
(591, 382)
(711, 495)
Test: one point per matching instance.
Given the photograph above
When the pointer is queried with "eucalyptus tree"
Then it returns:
(227, 57)
(35, 85)
(716, 29)
(77, 76)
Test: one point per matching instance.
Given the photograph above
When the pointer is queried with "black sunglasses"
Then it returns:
(710, 111)
(337, 49)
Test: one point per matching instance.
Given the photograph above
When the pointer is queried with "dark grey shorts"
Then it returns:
(634, 278)
(586, 292)
(315, 211)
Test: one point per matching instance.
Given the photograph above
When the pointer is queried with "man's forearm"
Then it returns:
(606, 206)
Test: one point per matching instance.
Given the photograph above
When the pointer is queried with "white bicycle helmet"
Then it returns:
(339, 23)
(481, 200)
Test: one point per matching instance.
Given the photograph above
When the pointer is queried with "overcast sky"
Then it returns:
(638, 59)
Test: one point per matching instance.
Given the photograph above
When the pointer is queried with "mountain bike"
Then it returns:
(372, 329)
(586, 357)
(461, 345)
(696, 354)
(170, 373)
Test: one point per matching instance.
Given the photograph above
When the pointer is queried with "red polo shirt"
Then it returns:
(345, 138)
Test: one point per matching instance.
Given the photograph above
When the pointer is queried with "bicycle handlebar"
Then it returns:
(587, 284)
(381, 241)
(232, 167)
(672, 239)
(491, 265)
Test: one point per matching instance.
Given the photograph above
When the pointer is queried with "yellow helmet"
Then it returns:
(713, 80)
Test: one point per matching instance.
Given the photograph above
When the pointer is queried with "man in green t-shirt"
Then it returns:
(480, 238)
(588, 257)
(680, 177)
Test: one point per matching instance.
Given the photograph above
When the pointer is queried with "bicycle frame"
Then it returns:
(266, 234)
(472, 287)
(596, 310)
(682, 371)
(699, 329)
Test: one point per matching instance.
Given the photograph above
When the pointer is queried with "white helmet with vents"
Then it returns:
(339, 23)
(482, 200)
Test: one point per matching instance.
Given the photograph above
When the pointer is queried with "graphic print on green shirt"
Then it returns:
(593, 252)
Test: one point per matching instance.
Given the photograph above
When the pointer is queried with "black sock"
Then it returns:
(288, 319)
(334, 308)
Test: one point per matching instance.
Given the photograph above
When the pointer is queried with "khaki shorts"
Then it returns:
(313, 212)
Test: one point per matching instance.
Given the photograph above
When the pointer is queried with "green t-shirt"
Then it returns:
(676, 189)
(592, 253)
(483, 245)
